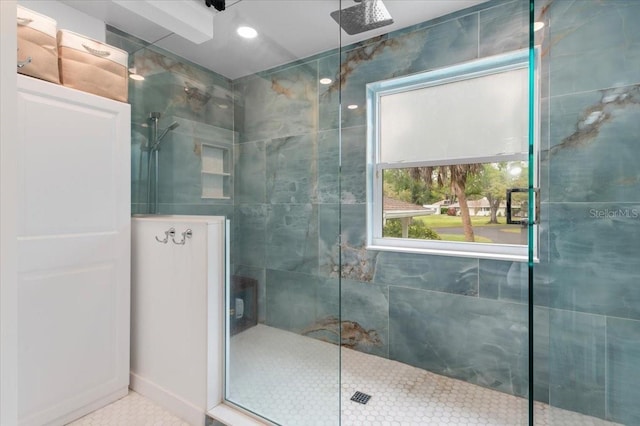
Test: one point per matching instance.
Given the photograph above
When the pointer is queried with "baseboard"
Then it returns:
(80, 412)
(174, 404)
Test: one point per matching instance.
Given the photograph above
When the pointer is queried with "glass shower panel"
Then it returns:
(587, 297)
(282, 361)
(179, 111)
(432, 339)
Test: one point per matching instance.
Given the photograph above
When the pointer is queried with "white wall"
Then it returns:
(68, 18)
(8, 201)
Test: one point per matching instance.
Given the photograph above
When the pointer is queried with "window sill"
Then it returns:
(469, 250)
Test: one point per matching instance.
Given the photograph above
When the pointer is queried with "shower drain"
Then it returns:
(361, 397)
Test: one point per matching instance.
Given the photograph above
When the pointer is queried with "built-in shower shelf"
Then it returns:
(216, 172)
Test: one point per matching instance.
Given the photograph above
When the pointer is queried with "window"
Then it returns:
(448, 160)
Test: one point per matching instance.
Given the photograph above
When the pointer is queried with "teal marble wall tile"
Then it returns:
(570, 113)
(249, 234)
(457, 275)
(292, 238)
(541, 354)
(504, 280)
(292, 169)
(173, 93)
(250, 172)
(623, 374)
(277, 105)
(445, 43)
(365, 309)
(477, 340)
(577, 362)
(345, 254)
(199, 99)
(329, 240)
(328, 94)
(592, 44)
(598, 160)
(225, 210)
(504, 28)
(328, 166)
(259, 275)
(139, 166)
(594, 265)
(137, 208)
(327, 307)
(542, 153)
(541, 269)
(342, 165)
(291, 300)
(353, 181)
(180, 181)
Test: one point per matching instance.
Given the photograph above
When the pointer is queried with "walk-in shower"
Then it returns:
(543, 334)
(152, 149)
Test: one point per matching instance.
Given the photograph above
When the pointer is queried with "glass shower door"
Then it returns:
(430, 336)
(587, 298)
(282, 361)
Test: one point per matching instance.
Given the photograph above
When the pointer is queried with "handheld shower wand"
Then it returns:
(152, 148)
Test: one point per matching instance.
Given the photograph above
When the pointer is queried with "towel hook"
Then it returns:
(170, 233)
(186, 234)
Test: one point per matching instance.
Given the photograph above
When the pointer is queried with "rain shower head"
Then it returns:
(364, 16)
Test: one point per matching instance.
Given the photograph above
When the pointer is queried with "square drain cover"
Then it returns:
(360, 397)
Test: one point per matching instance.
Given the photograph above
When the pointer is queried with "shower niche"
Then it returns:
(215, 172)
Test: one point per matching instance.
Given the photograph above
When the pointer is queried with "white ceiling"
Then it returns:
(288, 29)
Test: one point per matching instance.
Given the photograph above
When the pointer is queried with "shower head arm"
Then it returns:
(164, 133)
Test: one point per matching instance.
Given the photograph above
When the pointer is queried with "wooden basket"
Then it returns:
(92, 66)
(37, 47)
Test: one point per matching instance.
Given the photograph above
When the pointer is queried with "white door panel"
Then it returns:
(73, 251)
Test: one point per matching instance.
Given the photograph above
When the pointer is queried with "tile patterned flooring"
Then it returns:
(132, 410)
(294, 380)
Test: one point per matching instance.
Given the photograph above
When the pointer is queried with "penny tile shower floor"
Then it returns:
(294, 380)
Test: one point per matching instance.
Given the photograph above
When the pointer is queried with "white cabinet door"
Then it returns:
(73, 251)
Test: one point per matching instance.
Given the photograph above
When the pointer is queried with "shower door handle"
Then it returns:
(521, 216)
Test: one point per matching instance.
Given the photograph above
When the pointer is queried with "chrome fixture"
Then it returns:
(152, 148)
(366, 15)
(171, 232)
(186, 234)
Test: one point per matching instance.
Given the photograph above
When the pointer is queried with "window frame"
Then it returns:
(459, 72)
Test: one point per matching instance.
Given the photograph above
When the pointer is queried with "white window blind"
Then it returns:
(476, 117)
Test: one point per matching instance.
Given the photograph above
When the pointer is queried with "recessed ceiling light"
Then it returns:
(537, 26)
(223, 106)
(326, 81)
(247, 32)
(352, 106)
